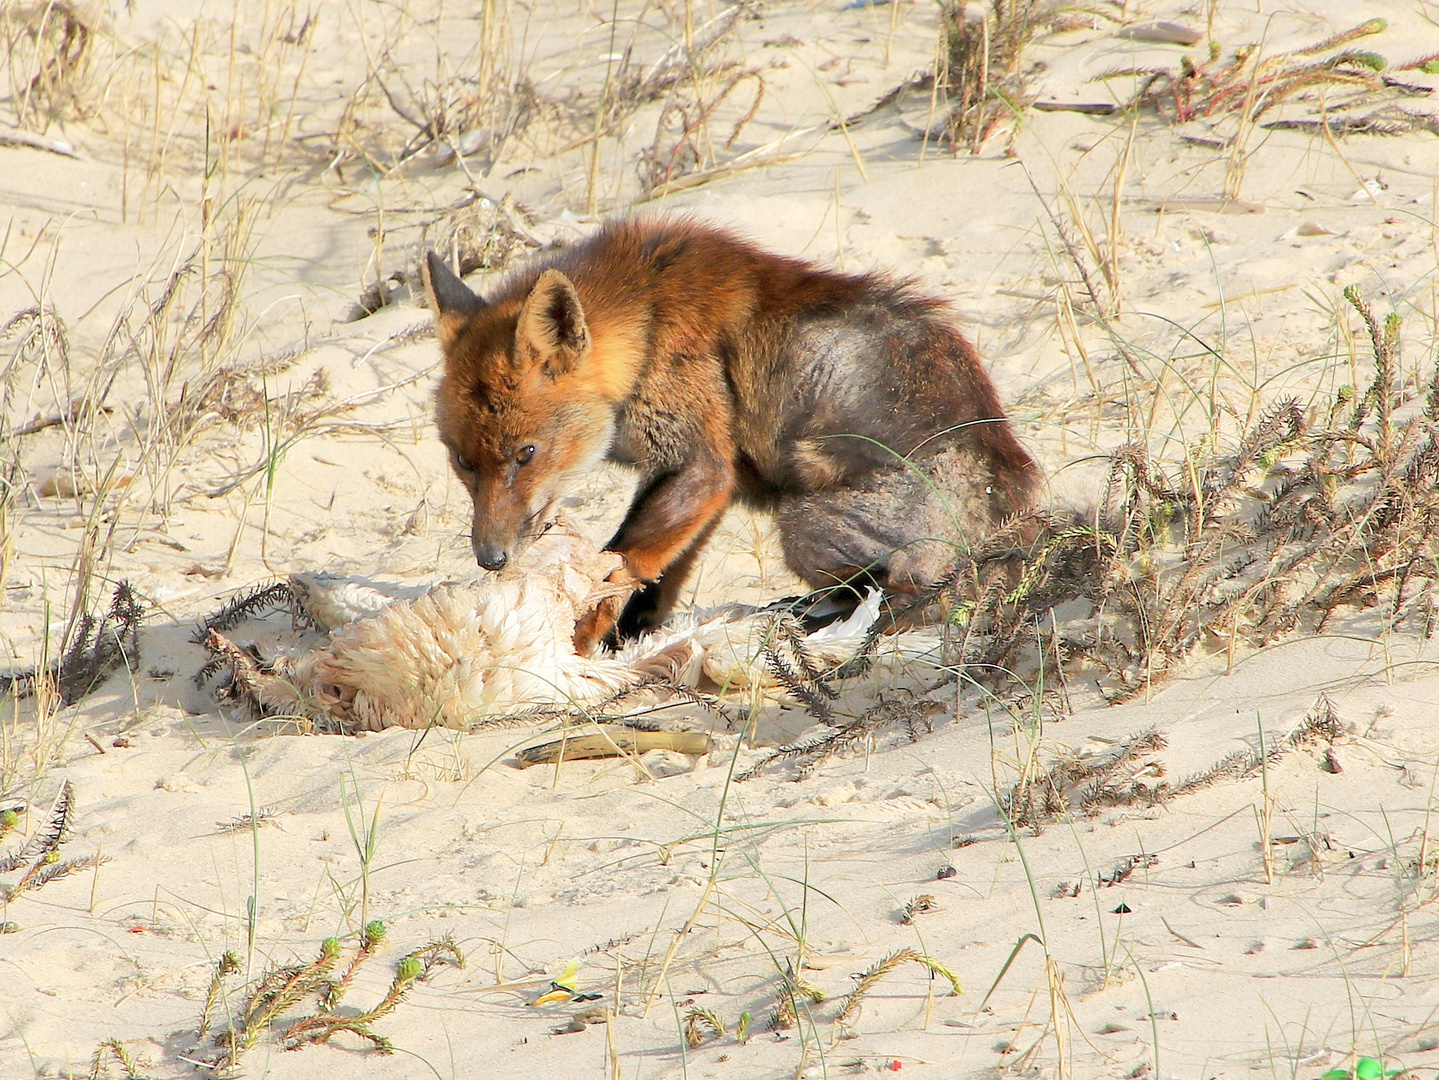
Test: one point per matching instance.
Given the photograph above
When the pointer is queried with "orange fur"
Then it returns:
(719, 370)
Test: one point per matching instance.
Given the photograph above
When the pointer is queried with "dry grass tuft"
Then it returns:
(1319, 725)
(681, 145)
(1087, 784)
(655, 687)
(866, 980)
(460, 104)
(48, 47)
(914, 714)
(979, 70)
(168, 366)
(783, 650)
(35, 335)
(693, 84)
(280, 990)
(94, 647)
(114, 1051)
(229, 964)
(1312, 510)
(701, 1024)
(1249, 85)
(476, 234)
(1130, 775)
(791, 996)
(40, 854)
(916, 906)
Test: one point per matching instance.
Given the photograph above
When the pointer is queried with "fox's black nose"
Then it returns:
(491, 558)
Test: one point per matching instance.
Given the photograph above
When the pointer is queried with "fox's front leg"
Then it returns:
(669, 517)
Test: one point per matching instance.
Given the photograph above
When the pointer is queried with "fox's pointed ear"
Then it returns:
(450, 298)
(552, 329)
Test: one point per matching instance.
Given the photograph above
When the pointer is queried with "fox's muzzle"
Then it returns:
(495, 530)
(491, 557)
(501, 530)
(491, 547)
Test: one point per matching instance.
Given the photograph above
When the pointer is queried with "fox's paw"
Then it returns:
(593, 625)
(609, 600)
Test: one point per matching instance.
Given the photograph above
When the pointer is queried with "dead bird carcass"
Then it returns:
(461, 654)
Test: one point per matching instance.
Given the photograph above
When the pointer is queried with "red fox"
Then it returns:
(845, 404)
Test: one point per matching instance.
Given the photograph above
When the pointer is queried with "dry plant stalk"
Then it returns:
(249, 604)
(916, 714)
(866, 980)
(679, 146)
(1249, 85)
(178, 335)
(979, 68)
(783, 650)
(1093, 783)
(48, 48)
(280, 990)
(791, 992)
(34, 335)
(1320, 724)
(228, 965)
(692, 83)
(700, 1024)
(919, 905)
(1074, 786)
(113, 1050)
(463, 104)
(40, 854)
(96, 646)
(607, 710)
(476, 233)
(247, 673)
(1309, 512)
(613, 741)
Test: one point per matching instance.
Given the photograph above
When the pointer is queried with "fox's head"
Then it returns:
(514, 407)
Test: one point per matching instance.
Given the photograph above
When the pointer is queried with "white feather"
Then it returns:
(460, 653)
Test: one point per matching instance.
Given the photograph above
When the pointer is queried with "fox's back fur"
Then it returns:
(847, 404)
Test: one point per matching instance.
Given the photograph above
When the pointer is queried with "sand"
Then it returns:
(1152, 941)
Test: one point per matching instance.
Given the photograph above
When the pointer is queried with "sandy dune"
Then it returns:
(194, 202)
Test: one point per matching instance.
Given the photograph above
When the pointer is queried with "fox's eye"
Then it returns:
(462, 463)
(524, 454)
